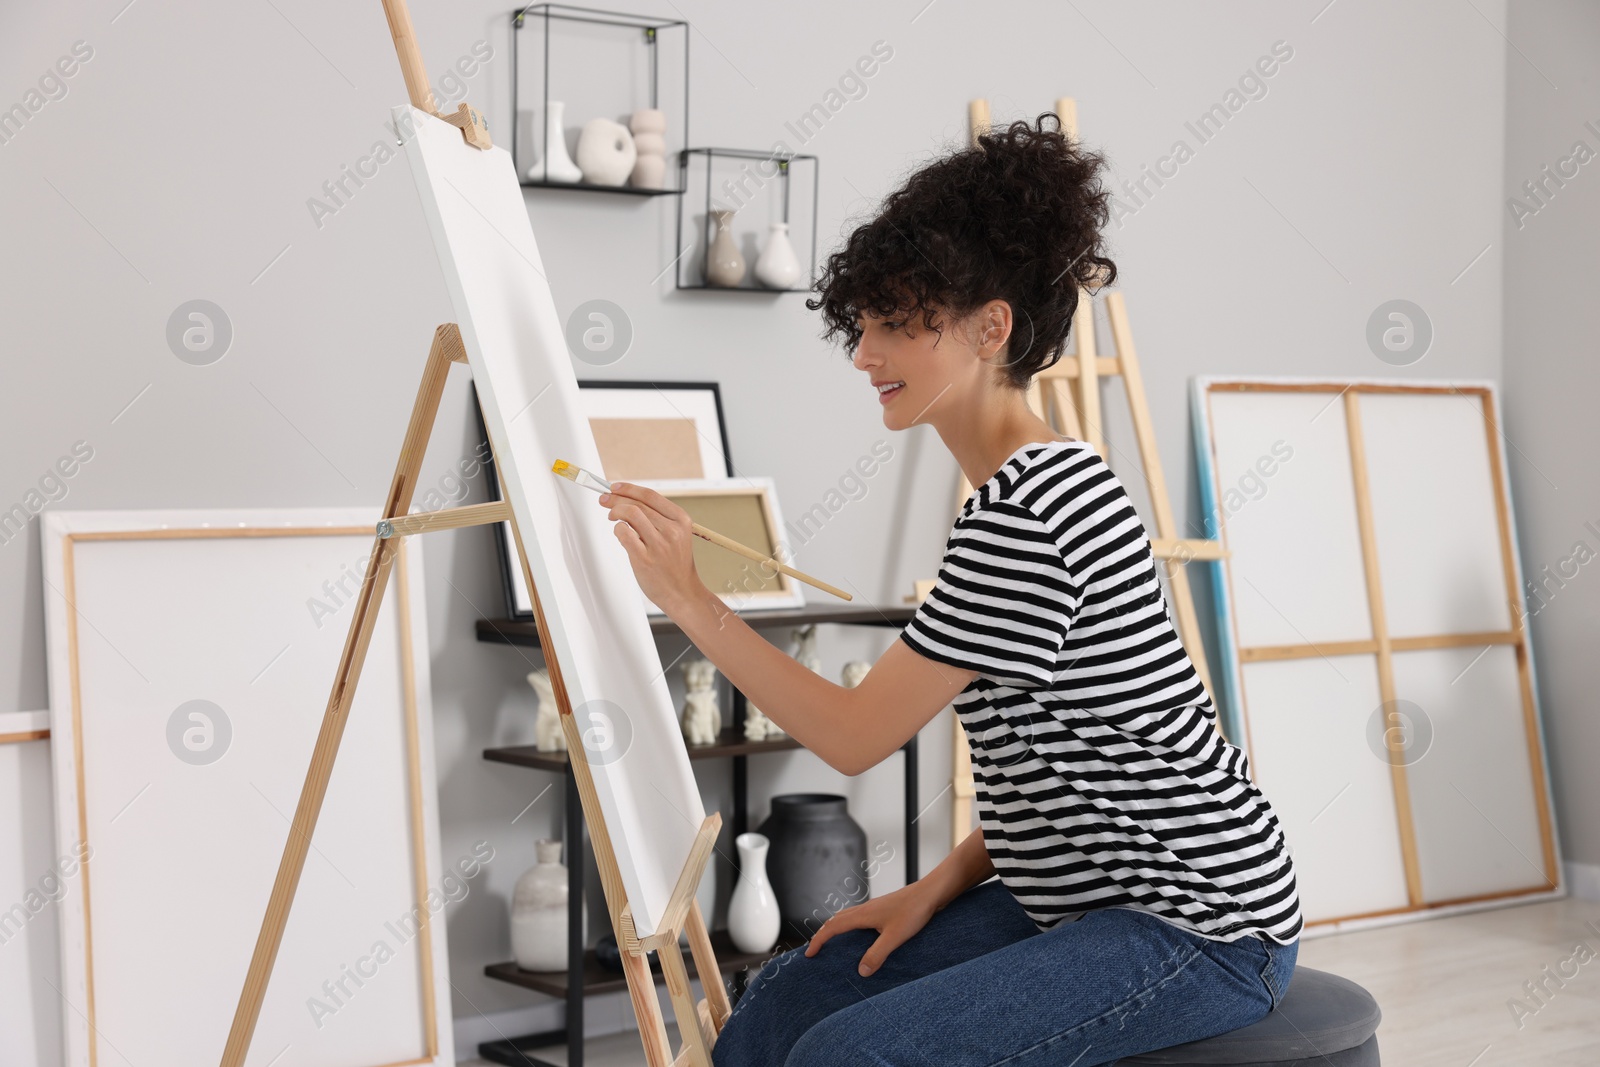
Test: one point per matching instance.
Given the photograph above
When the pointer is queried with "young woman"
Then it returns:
(1146, 895)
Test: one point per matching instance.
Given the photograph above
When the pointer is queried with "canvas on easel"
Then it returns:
(652, 837)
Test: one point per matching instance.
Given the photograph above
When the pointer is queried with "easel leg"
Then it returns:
(696, 1050)
(446, 347)
(705, 964)
(647, 1009)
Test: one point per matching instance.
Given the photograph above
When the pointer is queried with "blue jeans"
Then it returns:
(981, 986)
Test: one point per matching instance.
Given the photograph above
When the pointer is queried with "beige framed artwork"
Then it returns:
(745, 509)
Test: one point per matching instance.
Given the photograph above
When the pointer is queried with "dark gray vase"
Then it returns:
(817, 862)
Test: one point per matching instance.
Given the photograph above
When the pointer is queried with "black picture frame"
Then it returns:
(506, 553)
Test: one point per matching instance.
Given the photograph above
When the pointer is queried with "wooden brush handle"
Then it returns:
(749, 553)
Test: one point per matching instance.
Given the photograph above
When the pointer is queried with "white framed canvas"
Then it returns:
(596, 638)
(1378, 668)
(33, 879)
(191, 656)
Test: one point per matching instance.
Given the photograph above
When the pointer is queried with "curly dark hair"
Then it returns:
(1017, 217)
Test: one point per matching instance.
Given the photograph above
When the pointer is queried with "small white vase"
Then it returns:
(753, 910)
(724, 264)
(556, 166)
(539, 912)
(777, 267)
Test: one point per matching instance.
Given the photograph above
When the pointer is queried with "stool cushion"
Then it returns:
(1320, 1016)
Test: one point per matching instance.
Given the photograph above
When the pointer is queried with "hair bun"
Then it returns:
(1017, 216)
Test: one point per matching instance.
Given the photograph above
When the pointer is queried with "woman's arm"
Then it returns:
(966, 866)
(850, 729)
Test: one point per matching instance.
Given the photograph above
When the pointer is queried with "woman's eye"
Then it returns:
(892, 326)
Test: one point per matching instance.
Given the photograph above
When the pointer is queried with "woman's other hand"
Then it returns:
(896, 917)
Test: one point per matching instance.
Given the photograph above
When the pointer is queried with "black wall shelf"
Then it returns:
(652, 29)
(785, 167)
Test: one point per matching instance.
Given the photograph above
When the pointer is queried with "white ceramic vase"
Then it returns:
(539, 912)
(753, 909)
(724, 264)
(777, 267)
(556, 166)
(606, 152)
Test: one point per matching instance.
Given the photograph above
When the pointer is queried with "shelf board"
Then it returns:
(592, 187)
(740, 289)
(526, 632)
(730, 742)
(597, 979)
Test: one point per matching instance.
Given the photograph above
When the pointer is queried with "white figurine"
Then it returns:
(757, 727)
(854, 672)
(547, 721)
(805, 640)
(702, 719)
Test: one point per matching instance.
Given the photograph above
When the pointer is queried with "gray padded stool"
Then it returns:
(1322, 1021)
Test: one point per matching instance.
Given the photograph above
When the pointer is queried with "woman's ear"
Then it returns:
(994, 323)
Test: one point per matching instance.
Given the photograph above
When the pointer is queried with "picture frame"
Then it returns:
(696, 403)
(621, 413)
(745, 509)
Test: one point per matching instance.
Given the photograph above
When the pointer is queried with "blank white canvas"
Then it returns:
(184, 856)
(600, 636)
(1472, 795)
(1429, 458)
(1434, 514)
(31, 887)
(1296, 573)
(1310, 755)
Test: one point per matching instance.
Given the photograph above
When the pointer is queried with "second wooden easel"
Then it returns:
(1067, 395)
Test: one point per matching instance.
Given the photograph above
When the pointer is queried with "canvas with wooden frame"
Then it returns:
(232, 614)
(651, 835)
(1378, 661)
(33, 877)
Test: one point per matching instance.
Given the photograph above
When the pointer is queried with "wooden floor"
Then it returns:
(1444, 986)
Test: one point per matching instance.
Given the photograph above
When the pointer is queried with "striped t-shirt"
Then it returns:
(1101, 778)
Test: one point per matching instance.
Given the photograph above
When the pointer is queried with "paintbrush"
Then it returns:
(576, 474)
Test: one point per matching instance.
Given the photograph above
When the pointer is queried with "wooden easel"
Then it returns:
(698, 1023)
(1067, 395)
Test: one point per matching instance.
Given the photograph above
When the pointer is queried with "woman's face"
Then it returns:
(917, 373)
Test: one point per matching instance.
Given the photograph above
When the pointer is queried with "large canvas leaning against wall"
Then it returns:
(1379, 671)
(191, 655)
(599, 643)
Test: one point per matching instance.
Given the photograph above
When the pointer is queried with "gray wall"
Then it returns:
(179, 164)
(1552, 83)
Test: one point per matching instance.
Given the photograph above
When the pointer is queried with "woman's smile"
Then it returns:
(888, 389)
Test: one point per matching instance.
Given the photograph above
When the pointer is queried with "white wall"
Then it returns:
(1552, 82)
(180, 162)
